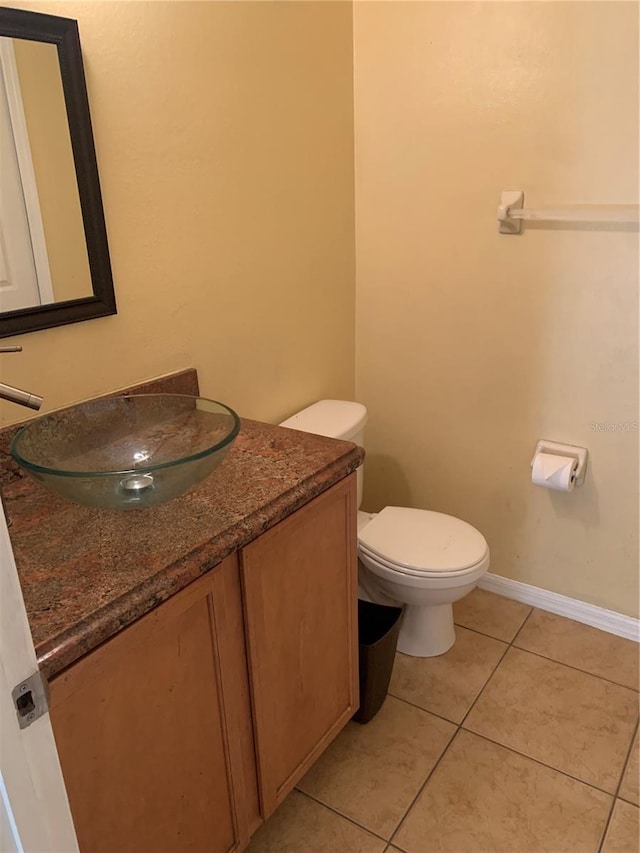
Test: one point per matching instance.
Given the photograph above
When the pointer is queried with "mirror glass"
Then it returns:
(54, 261)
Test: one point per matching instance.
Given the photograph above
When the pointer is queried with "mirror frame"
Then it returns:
(64, 34)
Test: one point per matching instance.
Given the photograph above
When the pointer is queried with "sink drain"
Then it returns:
(137, 484)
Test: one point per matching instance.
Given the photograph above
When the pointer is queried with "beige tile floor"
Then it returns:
(523, 738)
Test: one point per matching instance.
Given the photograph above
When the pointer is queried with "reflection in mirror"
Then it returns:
(54, 262)
(42, 233)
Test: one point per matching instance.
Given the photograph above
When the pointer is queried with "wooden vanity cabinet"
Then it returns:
(179, 734)
(299, 583)
(151, 729)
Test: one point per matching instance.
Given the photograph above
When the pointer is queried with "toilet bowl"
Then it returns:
(425, 561)
(421, 560)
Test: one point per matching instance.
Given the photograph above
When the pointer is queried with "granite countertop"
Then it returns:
(87, 573)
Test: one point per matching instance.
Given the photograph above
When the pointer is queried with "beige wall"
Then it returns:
(224, 138)
(225, 147)
(472, 345)
(52, 157)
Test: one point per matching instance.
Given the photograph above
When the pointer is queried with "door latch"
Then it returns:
(30, 699)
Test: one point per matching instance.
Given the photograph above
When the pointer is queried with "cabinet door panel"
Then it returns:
(142, 738)
(300, 589)
(237, 698)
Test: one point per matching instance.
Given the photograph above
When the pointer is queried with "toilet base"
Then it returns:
(426, 631)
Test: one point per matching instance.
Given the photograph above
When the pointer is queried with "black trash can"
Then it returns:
(378, 629)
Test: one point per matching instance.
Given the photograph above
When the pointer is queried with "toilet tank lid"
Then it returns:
(342, 419)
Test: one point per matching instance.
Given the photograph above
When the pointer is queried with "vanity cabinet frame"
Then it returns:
(187, 729)
(151, 728)
(300, 590)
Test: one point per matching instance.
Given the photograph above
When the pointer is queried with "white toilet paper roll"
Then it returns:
(554, 472)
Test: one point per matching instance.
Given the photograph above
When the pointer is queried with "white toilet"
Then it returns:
(419, 559)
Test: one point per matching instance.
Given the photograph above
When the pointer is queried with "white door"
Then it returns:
(34, 812)
(25, 277)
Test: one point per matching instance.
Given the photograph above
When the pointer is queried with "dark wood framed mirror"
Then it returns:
(57, 175)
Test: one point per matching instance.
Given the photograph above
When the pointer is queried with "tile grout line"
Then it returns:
(628, 802)
(615, 796)
(505, 746)
(554, 660)
(512, 643)
(455, 734)
(460, 727)
(577, 669)
(342, 815)
(537, 761)
(529, 757)
(484, 686)
(423, 786)
(483, 633)
(492, 636)
(426, 710)
(519, 631)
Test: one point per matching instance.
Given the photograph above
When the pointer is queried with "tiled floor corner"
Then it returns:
(448, 685)
(301, 825)
(521, 739)
(483, 797)
(631, 779)
(372, 773)
(582, 647)
(624, 829)
(491, 614)
(572, 721)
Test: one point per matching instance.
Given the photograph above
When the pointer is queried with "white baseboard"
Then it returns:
(572, 608)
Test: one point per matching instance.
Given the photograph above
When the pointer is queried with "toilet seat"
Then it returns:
(418, 574)
(422, 543)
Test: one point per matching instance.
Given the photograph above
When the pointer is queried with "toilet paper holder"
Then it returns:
(580, 454)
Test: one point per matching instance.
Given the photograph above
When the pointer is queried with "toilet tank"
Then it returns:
(341, 419)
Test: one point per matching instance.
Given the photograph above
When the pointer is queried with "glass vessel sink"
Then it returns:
(127, 452)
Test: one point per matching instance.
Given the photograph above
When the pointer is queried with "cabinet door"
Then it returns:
(148, 758)
(300, 591)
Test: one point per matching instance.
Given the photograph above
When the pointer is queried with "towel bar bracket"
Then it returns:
(510, 200)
